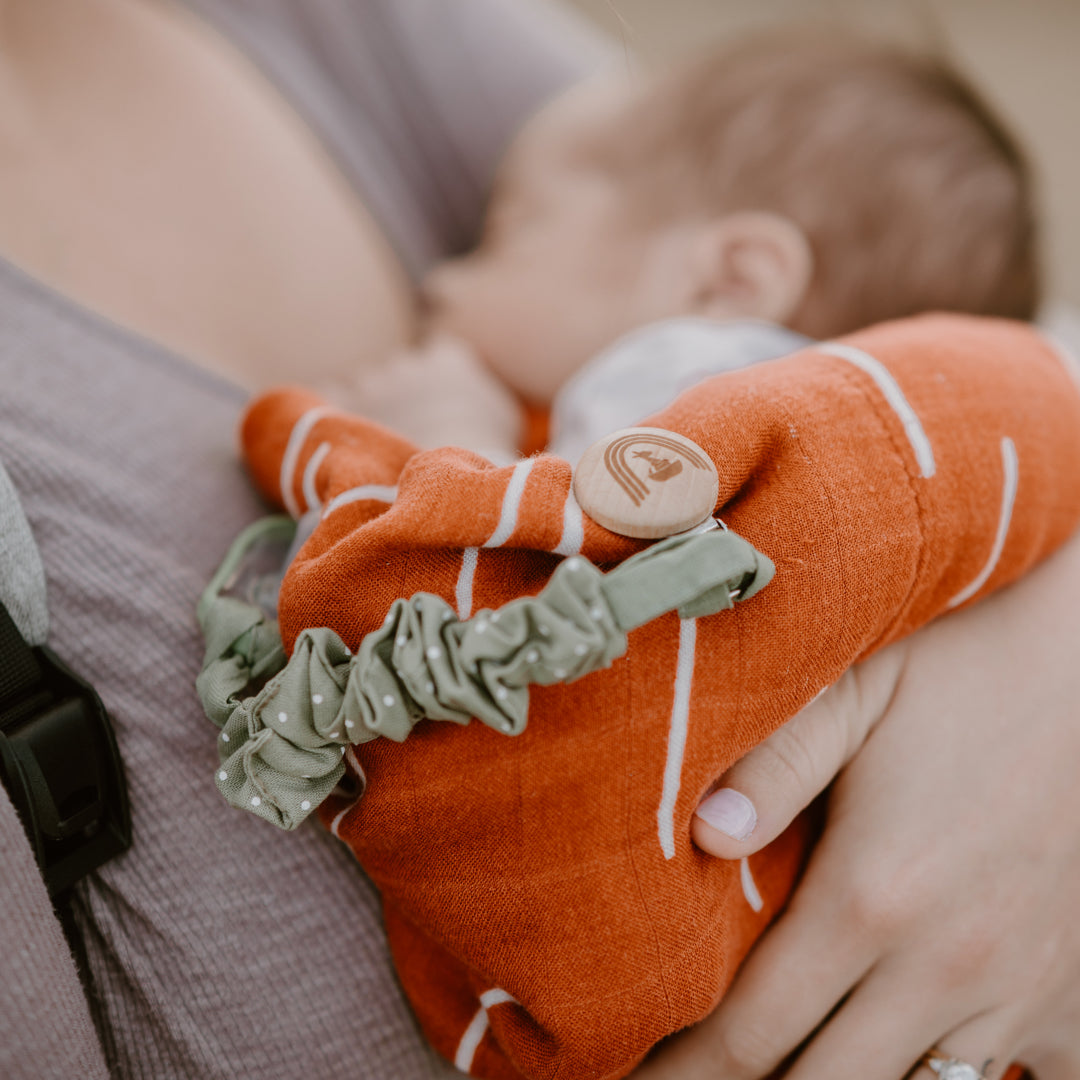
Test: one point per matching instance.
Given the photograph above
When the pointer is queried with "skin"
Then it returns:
(569, 261)
(894, 942)
(214, 218)
(940, 906)
(566, 264)
(562, 267)
(151, 174)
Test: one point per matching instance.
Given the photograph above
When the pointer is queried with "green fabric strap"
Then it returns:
(242, 645)
(281, 748)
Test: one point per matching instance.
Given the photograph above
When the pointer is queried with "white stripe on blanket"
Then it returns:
(890, 388)
(1011, 468)
(680, 717)
(478, 1025)
(297, 438)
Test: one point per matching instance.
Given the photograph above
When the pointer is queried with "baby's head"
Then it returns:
(822, 184)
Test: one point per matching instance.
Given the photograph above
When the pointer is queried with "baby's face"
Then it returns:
(564, 266)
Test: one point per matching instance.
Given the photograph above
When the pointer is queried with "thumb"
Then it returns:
(762, 793)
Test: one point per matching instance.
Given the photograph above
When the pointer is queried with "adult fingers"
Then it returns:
(880, 1032)
(788, 985)
(988, 1043)
(896, 1016)
(762, 793)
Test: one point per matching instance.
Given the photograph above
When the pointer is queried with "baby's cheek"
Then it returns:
(523, 324)
(515, 351)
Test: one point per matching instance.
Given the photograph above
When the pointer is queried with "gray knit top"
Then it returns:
(218, 946)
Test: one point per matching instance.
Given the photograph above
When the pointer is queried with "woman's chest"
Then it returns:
(159, 180)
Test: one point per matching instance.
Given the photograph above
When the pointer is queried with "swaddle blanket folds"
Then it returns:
(547, 911)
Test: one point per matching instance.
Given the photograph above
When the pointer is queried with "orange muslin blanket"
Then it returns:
(547, 911)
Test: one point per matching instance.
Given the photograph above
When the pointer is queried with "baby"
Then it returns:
(547, 910)
(822, 185)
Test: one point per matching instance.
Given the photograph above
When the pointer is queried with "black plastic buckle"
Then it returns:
(61, 767)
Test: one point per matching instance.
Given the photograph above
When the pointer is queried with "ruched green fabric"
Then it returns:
(281, 749)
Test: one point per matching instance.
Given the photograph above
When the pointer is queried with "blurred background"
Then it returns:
(1024, 56)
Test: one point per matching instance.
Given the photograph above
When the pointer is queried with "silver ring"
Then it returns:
(950, 1068)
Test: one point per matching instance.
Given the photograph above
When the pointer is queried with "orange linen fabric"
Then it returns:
(538, 924)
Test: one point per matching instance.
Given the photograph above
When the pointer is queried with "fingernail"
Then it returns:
(729, 811)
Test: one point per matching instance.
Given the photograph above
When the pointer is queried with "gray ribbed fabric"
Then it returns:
(22, 577)
(219, 947)
(45, 1027)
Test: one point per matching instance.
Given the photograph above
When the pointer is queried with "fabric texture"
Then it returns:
(647, 369)
(38, 966)
(549, 915)
(40, 986)
(214, 948)
(22, 577)
(282, 749)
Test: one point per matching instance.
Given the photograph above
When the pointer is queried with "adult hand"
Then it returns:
(940, 907)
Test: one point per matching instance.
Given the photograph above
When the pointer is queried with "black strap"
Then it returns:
(59, 762)
(19, 671)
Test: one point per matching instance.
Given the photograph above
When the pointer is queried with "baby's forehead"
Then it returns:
(569, 128)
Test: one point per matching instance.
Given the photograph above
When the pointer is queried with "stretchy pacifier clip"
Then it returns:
(281, 749)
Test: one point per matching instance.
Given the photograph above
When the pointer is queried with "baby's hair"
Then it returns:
(911, 192)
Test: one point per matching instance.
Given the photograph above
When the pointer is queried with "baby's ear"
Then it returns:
(751, 264)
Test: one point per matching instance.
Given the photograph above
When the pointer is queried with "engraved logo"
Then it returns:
(660, 468)
(665, 461)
